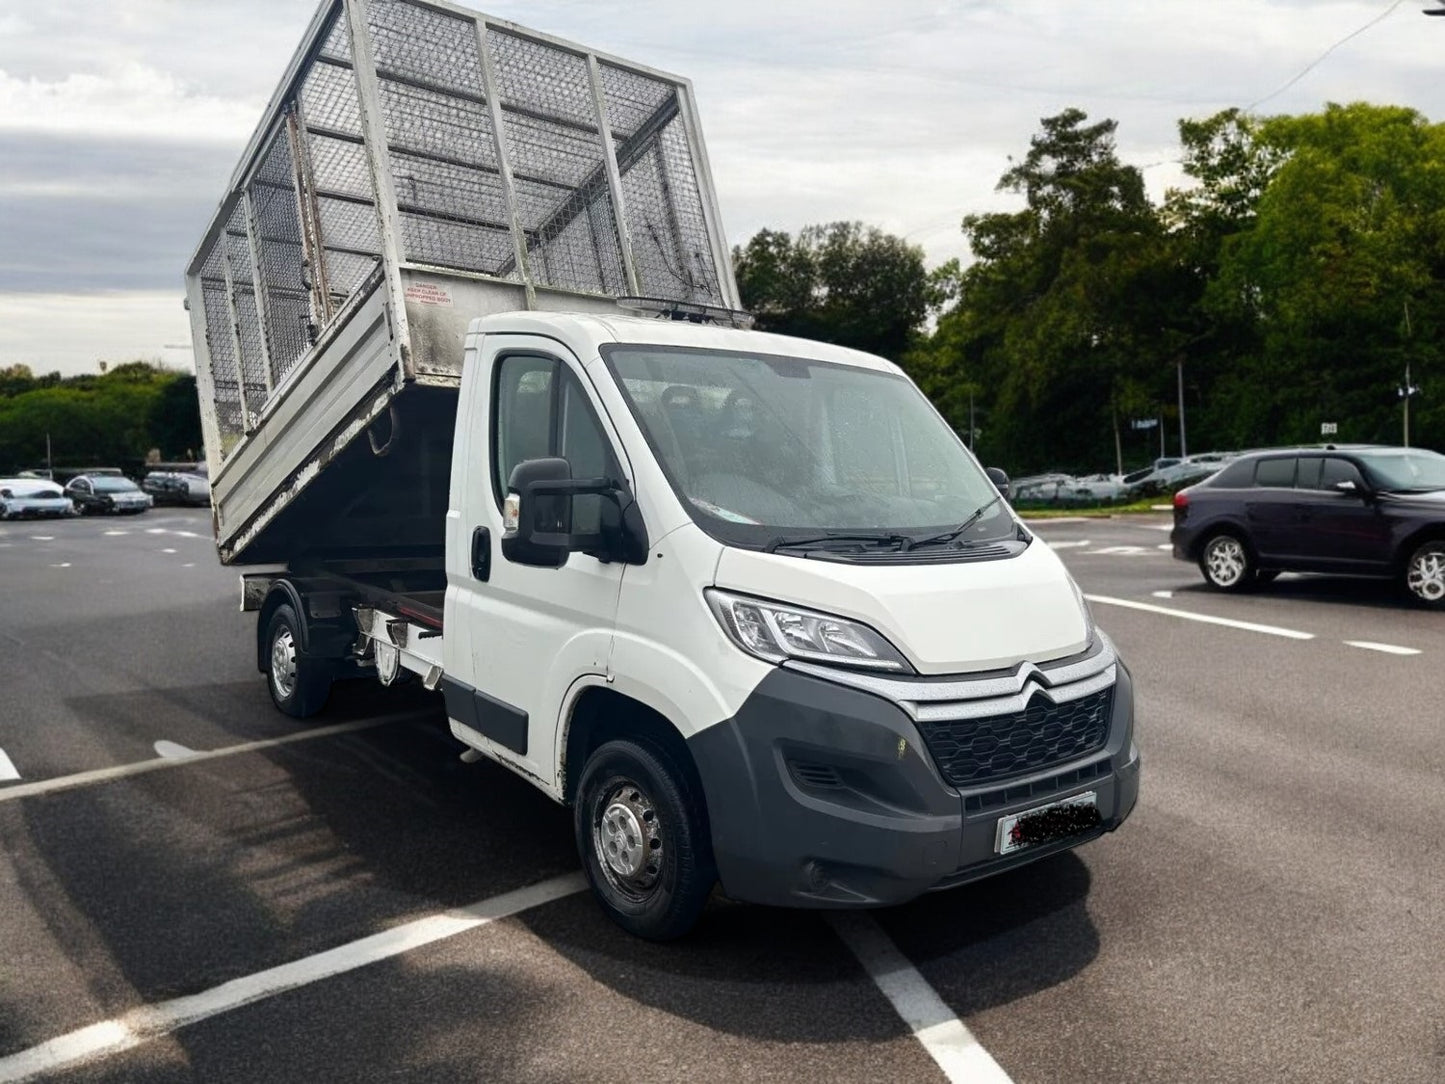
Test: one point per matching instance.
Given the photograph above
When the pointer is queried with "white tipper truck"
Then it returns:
(745, 602)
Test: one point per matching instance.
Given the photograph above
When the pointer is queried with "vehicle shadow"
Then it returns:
(1374, 594)
(175, 881)
(758, 971)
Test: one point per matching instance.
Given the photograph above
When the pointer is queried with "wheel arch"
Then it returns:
(1229, 527)
(1425, 532)
(598, 714)
(282, 592)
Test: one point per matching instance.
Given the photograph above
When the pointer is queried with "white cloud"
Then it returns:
(71, 333)
(135, 101)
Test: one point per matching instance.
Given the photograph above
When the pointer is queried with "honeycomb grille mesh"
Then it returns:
(973, 752)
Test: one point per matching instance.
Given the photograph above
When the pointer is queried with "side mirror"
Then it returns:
(537, 517)
(999, 480)
(1349, 487)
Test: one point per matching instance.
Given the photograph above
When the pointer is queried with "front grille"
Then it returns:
(972, 752)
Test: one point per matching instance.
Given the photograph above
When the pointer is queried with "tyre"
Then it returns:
(1425, 575)
(642, 834)
(298, 686)
(1226, 564)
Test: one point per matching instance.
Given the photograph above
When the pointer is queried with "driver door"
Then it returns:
(532, 631)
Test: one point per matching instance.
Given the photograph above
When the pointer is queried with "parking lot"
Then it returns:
(195, 887)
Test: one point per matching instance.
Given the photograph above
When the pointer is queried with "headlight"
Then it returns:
(774, 632)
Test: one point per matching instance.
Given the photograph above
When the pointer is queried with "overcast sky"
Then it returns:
(121, 120)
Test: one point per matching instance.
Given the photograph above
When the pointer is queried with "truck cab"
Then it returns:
(750, 606)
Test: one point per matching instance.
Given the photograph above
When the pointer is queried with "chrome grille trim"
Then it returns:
(970, 698)
(948, 711)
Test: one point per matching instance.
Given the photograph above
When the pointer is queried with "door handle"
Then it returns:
(481, 554)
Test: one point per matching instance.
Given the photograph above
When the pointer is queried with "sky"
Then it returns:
(121, 120)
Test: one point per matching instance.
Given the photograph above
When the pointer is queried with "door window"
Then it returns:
(1275, 473)
(541, 410)
(1340, 470)
(1309, 474)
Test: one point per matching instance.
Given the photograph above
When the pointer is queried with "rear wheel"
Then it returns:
(1226, 564)
(1425, 575)
(299, 686)
(642, 834)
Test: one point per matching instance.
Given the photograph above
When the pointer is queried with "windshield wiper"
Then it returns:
(949, 536)
(784, 542)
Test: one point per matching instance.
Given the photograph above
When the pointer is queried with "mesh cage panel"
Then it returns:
(665, 223)
(542, 79)
(434, 123)
(283, 279)
(632, 99)
(222, 350)
(248, 320)
(426, 45)
(339, 167)
(556, 153)
(345, 272)
(465, 246)
(343, 186)
(337, 43)
(426, 186)
(329, 101)
(253, 368)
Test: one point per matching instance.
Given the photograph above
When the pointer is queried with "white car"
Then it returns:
(21, 498)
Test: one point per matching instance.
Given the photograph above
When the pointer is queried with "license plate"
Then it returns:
(1046, 823)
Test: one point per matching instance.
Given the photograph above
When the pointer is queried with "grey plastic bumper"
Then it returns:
(821, 795)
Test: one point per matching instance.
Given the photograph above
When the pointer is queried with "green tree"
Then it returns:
(844, 283)
(1057, 326)
(1343, 271)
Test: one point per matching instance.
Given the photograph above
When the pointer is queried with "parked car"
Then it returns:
(107, 493)
(1366, 511)
(22, 498)
(177, 487)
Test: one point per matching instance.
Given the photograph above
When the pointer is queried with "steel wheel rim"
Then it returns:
(627, 840)
(283, 664)
(1226, 561)
(1426, 575)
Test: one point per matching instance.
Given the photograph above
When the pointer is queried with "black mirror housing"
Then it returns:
(999, 480)
(537, 517)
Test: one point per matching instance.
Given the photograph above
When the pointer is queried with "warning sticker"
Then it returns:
(428, 293)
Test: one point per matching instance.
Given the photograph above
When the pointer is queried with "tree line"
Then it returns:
(112, 419)
(1289, 284)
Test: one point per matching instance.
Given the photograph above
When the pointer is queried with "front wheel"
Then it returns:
(1226, 564)
(1425, 575)
(299, 686)
(643, 838)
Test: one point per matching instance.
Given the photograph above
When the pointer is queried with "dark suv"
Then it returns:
(1367, 511)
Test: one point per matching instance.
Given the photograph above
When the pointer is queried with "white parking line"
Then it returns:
(1388, 649)
(121, 771)
(1049, 520)
(42, 538)
(7, 768)
(1208, 619)
(932, 1022)
(1162, 594)
(152, 1021)
(1067, 545)
(173, 749)
(113, 534)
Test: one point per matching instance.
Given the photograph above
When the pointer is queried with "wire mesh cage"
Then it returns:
(413, 133)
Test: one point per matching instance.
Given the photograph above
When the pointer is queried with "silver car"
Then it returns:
(23, 498)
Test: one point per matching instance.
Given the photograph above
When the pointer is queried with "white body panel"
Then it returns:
(945, 618)
(536, 638)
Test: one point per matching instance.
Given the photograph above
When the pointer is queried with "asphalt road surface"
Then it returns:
(343, 899)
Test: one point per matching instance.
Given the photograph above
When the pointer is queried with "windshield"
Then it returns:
(763, 447)
(1415, 469)
(108, 484)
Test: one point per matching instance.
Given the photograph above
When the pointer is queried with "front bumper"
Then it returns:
(820, 795)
